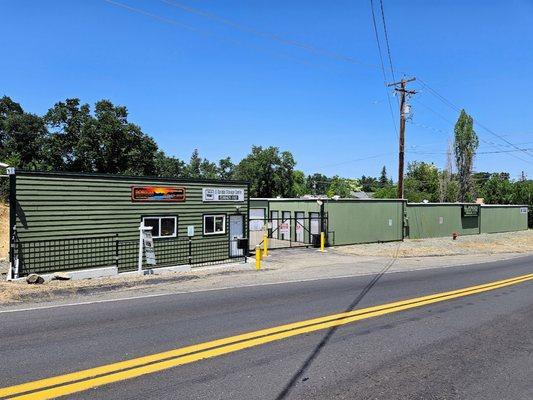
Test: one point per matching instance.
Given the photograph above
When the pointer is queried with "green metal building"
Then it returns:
(503, 218)
(427, 220)
(347, 221)
(61, 221)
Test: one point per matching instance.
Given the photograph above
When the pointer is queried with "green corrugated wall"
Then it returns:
(438, 220)
(503, 218)
(55, 206)
(352, 221)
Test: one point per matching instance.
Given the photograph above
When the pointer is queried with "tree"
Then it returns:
(383, 179)
(317, 184)
(465, 146)
(422, 182)
(498, 189)
(343, 187)
(170, 167)
(299, 184)
(369, 184)
(192, 170)
(226, 168)
(268, 171)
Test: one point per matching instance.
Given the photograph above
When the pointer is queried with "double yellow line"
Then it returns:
(90, 378)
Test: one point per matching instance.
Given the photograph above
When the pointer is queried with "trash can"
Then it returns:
(315, 240)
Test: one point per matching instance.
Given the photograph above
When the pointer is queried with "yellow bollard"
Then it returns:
(322, 241)
(258, 257)
(265, 245)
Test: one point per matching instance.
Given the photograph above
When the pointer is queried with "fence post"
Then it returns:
(116, 251)
(141, 242)
(190, 250)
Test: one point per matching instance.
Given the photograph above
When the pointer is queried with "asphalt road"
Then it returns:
(473, 347)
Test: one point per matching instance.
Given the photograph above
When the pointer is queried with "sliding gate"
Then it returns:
(286, 230)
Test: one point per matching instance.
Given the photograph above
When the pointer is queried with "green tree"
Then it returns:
(387, 192)
(383, 179)
(498, 189)
(422, 182)
(226, 168)
(170, 167)
(192, 169)
(465, 145)
(370, 184)
(343, 187)
(268, 171)
(317, 184)
(299, 183)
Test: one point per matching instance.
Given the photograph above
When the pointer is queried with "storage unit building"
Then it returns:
(66, 221)
(503, 218)
(347, 221)
(427, 220)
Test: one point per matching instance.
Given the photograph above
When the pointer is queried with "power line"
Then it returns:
(456, 108)
(268, 35)
(387, 39)
(383, 66)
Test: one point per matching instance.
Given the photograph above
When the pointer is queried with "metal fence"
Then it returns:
(44, 256)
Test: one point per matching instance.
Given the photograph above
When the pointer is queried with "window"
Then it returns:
(162, 227)
(214, 224)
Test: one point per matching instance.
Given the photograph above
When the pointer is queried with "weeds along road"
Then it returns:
(457, 332)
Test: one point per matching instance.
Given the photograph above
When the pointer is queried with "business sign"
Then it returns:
(523, 210)
(285, 228)
(470, 210)
(148, 244)
(158, 193)
(223, 194)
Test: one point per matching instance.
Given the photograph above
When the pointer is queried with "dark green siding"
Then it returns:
(503, 218)
(52, 206)
(352, 221)
(438, 220)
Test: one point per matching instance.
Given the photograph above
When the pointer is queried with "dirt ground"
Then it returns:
(494, 243)
(4, 230)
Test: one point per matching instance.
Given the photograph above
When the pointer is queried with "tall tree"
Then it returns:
(170, 167)
(226, 168)
(383, 179)
(317, 184)
(343, 187)
(268, 171)
(465, 146)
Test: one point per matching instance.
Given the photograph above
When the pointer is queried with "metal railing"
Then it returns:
(45, 256)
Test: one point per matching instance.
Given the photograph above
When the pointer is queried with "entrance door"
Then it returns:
(299, 226)
(236, 231)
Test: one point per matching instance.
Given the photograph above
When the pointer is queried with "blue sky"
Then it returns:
(192, 82)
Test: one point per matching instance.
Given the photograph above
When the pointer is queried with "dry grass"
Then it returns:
(496, 243)
(4, 230)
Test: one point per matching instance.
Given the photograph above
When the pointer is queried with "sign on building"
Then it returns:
(157, 193)
(223, 194)
(523, 210)
(470, 210)
(285, 228)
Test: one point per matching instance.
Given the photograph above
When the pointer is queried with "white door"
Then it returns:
(299, 227)
(236, 231)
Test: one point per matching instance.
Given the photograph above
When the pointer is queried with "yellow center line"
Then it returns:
(90, 378)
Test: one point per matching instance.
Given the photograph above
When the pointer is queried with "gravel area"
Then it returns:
(494, 243)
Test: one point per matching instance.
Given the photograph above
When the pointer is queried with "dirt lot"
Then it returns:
(495, 243)
(4, 230)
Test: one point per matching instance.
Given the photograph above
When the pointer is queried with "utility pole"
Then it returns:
(400, 87)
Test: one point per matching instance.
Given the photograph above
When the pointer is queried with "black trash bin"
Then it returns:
(315, 240)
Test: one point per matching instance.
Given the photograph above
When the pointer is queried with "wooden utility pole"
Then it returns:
(400, 87)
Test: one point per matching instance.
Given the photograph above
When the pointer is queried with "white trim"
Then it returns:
(157, 235)
(223, 232)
